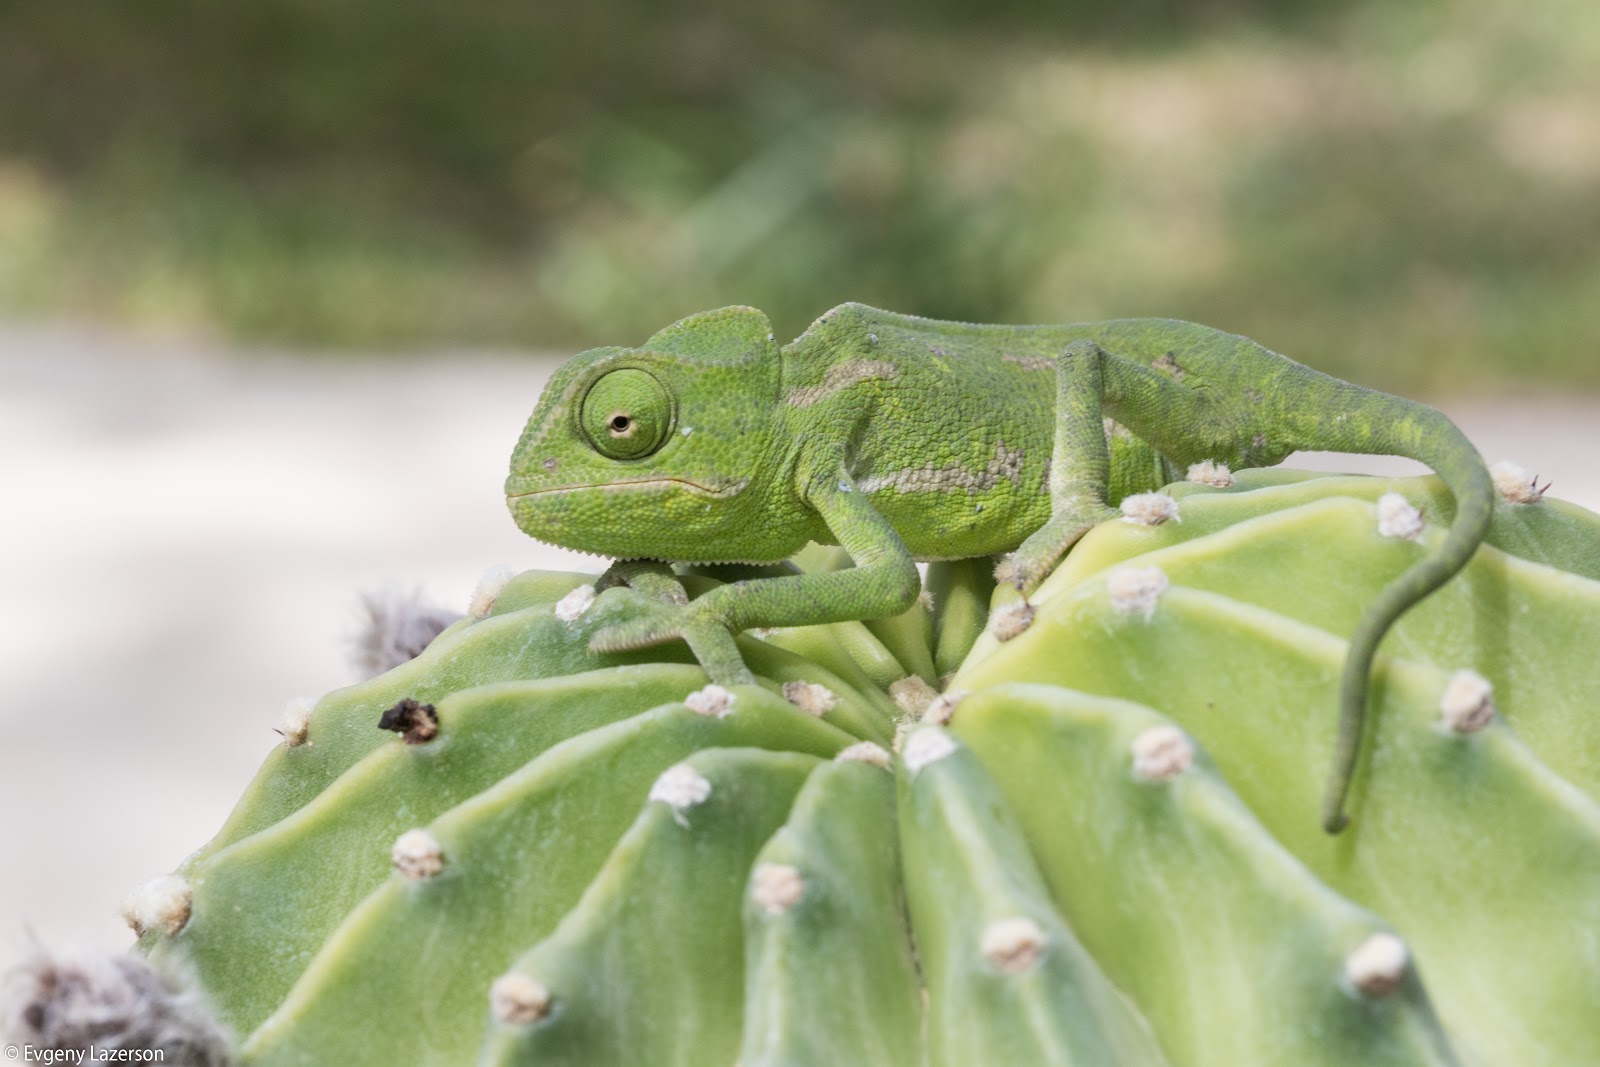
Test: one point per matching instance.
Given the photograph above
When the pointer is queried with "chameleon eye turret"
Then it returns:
(627, 414)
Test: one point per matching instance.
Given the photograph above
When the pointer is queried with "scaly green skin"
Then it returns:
(903, 439)
(1191, 921)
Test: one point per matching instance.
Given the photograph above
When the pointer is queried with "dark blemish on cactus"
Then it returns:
(413, 721)
(1168, 364)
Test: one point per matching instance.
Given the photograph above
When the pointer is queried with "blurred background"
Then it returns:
(1406, 193)
(280, 279)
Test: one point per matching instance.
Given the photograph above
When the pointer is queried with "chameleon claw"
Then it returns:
(629, 636)
(1027, 568)
(1010, 571)
(1022, 573)
(653, 623)
(707, 637)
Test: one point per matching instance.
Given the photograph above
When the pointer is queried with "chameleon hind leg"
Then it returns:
(1309, 410)
(1091, 469)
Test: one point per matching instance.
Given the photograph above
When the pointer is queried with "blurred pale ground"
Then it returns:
(185, 533)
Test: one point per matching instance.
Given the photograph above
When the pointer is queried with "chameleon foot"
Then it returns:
(708, 638)
(1026, 568)
(1013, 571)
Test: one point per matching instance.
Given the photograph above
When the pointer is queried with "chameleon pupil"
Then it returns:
(626, 414)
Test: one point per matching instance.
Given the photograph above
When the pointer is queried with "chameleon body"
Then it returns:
(902, 438)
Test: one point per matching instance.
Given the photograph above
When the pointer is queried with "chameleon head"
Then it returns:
(653, 452)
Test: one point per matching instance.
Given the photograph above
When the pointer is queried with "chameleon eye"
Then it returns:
(627, 414)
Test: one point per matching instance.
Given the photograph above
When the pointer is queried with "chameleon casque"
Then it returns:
(902, 439)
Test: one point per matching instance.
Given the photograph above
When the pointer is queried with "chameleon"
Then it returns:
(901, 438)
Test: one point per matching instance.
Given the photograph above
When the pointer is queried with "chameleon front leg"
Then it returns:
(1080, 469)
(713, 646)
(884, 581)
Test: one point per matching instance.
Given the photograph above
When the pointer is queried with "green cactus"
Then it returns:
(1098, 845)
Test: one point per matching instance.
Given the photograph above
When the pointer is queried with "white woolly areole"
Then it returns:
(776, 887)
(943, 707)
(1012, 620)
(810, 697)
(1209, 472)
(1136, 590)
(296, 728)
(911, 695)
(864, 752)
(680, 786)
(1397, 518)
(925, 746)
(1467, 704)
(1013, 945)
(1149, 509)
(1161, 753)
(1378, 965)
(160, 904)
(712, 701)
(516, 999)
(79, 999)
(1515, 483)
(575, 603)
(488, 588)
(417, 854)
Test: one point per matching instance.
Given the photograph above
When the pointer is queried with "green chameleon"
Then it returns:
(901, 439)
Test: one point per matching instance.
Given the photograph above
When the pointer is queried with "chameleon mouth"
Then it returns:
(721, 492)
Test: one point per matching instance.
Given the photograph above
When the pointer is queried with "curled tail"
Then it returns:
(1421, 433)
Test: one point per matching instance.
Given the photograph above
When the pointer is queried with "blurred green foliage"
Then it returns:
(1408, 194)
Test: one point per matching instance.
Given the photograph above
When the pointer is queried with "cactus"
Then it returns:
(1095, 843)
